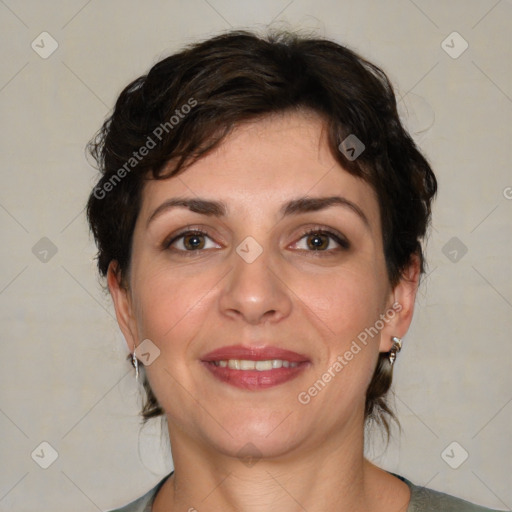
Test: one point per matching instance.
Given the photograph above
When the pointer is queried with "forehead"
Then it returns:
(262, 164)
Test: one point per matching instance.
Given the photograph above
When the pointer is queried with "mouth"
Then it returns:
(254, 368)
(261, 366)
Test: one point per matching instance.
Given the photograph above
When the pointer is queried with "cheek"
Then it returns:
(342, 308)
(169, 304)
(345, 305)
(171, 311)
(173, 305)
(345, 301)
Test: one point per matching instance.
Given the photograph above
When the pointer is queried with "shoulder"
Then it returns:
(422, 500)
(429, 500)
(143, 504)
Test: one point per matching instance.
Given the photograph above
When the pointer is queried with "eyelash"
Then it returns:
(343, 243)
(334, 235)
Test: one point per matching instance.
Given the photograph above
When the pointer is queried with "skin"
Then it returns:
(307, 456)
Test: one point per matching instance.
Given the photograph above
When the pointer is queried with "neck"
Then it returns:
(331, 477)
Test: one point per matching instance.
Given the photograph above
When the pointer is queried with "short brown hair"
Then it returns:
(188, 103)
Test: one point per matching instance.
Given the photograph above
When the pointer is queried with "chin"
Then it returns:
(252, 448)
(254, 438)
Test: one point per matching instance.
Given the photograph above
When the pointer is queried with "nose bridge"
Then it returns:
(253, 289)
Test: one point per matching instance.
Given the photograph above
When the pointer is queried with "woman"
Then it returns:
(258, 220)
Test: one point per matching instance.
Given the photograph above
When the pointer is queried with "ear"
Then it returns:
(402, 299)
(123, 305)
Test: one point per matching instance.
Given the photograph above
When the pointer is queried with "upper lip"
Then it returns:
(253, 354)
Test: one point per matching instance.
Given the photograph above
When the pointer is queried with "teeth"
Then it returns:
(247, 365)
(261, 366)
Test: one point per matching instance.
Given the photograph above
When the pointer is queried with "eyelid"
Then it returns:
(334, 234)
(338, 237)
(200, 230)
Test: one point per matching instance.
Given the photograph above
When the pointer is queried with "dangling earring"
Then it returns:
(135, 363)
(397, 346)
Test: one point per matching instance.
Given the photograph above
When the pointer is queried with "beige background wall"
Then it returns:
(64, 377)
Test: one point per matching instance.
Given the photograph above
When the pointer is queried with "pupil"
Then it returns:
(193, 241)
(317, 241)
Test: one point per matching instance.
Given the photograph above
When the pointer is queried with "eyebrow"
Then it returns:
(294, 207)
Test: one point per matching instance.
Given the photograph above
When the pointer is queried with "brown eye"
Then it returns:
(320, 240)
(191, 241)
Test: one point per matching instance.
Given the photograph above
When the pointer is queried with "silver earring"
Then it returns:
(135, 363)
(397, 346)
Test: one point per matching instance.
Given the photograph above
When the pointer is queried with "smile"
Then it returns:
(261, 366)
(254, 368)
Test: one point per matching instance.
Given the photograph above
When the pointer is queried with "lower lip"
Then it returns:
(253, 379)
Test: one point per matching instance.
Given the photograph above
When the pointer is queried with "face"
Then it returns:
(254, 272)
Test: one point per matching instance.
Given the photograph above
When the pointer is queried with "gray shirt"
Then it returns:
(422, 500)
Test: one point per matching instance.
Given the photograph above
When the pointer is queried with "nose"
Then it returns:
(254, 291)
